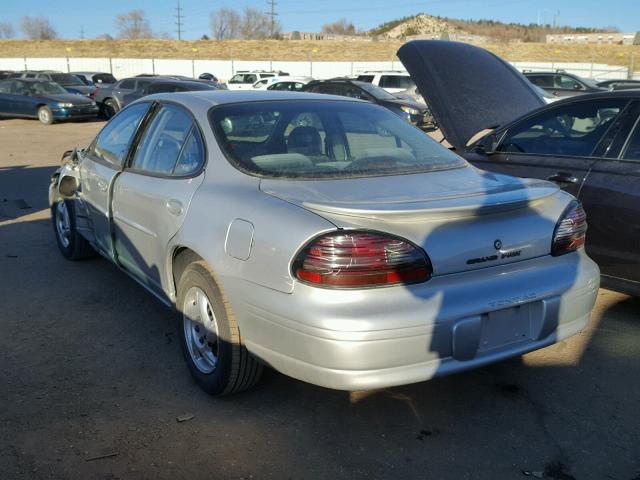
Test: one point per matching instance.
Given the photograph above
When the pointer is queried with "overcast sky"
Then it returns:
(96, 16)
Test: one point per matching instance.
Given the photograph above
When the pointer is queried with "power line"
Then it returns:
(179, 23)
(272, 14)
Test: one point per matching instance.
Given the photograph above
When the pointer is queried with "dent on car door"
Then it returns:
(611, 197)
(153, 193)
(558, 144)
(99, 166)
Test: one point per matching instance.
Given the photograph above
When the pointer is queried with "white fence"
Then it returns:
(224, 69)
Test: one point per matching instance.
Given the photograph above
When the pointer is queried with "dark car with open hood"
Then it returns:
(44, 100)
(588, 144)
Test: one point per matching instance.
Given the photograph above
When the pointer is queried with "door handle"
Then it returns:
(174, 207)
(563, 177)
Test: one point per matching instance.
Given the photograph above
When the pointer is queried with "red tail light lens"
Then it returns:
(570, 231)
(351, 259)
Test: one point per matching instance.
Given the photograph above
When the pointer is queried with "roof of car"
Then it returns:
(90, 73)
(340, 80)
(29, 80)
(221, 97)
(385, 72)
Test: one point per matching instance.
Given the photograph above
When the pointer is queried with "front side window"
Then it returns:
(632, 150)
(113, 142)
(320, 139)
(567, 83)
(237, 78)
(570, 130)
(166, 141)
(250, 78)
(5, 87)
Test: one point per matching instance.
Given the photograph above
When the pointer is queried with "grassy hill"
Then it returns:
(302, 50)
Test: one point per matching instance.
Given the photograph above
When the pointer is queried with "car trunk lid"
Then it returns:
(465, 219)
(467, 88)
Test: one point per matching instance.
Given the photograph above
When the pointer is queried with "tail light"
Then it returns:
(569, 234)
(351, 259)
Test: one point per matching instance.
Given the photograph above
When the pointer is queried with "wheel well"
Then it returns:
(182, 257)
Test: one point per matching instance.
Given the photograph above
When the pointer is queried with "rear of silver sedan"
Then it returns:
(414, 273)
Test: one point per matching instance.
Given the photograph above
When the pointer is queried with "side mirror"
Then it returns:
(487, 145)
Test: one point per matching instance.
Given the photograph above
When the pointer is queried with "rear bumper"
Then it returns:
(364, 339)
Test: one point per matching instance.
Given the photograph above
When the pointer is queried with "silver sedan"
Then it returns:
(324, 237)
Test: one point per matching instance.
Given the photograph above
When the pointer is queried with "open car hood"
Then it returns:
(467, 88)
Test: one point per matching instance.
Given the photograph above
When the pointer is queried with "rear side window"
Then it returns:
(569, 130)
(5, 87)
(319, 139)
(170, 145)
(128, 84)
(113, 142)
(396, 81)
(543, 81)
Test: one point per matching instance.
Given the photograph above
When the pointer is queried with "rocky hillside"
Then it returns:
(416, 25)
(491, 30)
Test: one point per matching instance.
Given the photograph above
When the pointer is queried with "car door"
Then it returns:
(559, 143)
(7, 101)
(151, 196)
(24, 101)
(123, 87)
(100, 164)
(611, 198)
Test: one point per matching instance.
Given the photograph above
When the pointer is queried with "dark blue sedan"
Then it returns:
(46, 101)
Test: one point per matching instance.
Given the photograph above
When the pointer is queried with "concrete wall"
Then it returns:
(224, 69)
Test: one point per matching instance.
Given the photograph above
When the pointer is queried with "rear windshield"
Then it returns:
(314, 139)
(103, 78)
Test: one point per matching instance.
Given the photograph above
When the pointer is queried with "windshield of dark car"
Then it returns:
(66, 79)
(315, 139)
(376, 91)
(44, 88)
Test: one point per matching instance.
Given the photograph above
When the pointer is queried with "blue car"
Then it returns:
(44, 100)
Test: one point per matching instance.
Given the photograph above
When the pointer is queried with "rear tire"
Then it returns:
(72, 245)
(45, 115)
(110, 108)
(210, 337)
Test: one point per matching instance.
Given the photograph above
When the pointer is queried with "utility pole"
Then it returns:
(179, 22)
(272, 14)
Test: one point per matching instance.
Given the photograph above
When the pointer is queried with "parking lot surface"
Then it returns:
(93, 384)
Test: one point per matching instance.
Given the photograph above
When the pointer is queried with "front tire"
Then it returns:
(210, 337)
(110, 108)
(72, 245)
(45, 115)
